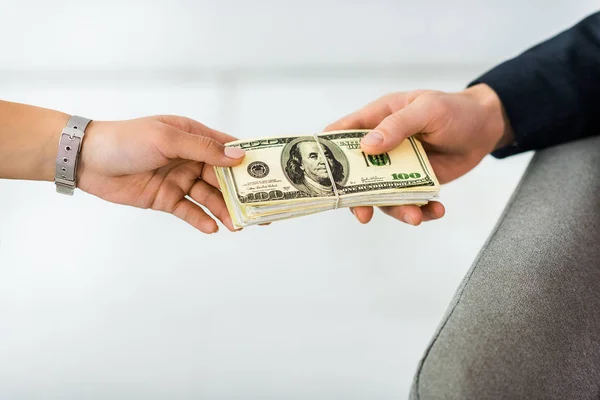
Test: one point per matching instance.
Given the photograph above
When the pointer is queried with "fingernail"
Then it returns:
(406, 218)
(373, 139)
(234, 152)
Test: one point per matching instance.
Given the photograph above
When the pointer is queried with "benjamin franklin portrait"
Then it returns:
(305, 166)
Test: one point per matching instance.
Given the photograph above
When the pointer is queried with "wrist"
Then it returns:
(497, 124)
(69, 148)
(85, 155)
(53, 127)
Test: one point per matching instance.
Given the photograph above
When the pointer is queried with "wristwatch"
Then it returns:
(69, 146)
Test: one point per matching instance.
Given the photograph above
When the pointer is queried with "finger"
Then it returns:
(205, 194)
(365, 118)
(433, 210)
(356, 120)
(373, 113)
(409, 214)
(363, 214)
(179, 144)
(209, 175)
(397, 127)
(194, 127)
(195, 216)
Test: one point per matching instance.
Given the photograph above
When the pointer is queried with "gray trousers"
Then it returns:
(525, 322)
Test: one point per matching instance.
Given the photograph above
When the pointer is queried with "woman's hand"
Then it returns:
(162, 163)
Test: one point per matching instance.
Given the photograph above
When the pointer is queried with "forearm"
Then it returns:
(29, 141)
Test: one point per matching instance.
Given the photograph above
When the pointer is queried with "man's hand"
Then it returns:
(157, 162)
(457, 131)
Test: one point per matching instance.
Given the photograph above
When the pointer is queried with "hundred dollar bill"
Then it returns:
(288, 176)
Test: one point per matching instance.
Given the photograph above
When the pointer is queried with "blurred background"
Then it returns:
(100, 301)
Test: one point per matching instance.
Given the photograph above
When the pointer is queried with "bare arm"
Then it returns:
(28, 141)
(163, 162)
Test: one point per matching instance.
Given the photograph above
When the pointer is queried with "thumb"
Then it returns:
(202, 148)
(396, 128)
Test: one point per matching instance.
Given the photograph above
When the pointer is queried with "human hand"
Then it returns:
(457, 131)
(158, 162)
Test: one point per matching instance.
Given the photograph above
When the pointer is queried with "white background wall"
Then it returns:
(105, 301)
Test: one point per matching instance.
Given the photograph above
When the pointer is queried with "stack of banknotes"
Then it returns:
(289, 176)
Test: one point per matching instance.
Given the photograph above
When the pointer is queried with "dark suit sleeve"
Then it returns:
(551, 92)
